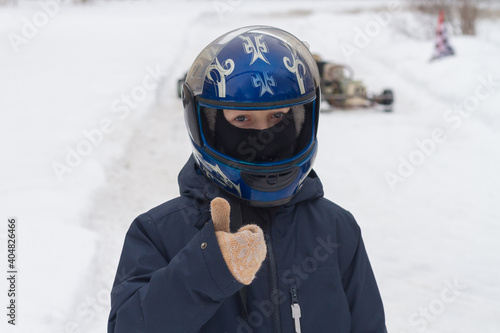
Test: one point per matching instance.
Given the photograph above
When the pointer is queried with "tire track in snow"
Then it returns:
(139, 181)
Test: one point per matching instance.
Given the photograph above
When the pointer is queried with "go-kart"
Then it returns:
(341, 90)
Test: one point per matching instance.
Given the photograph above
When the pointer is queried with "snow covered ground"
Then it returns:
(93, 135)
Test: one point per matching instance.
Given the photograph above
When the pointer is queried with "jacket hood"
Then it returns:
(193, 184)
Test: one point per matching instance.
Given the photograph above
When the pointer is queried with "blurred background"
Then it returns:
(92, 135)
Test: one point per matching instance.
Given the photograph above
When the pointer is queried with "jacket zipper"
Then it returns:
(295, 309)
(274, 282)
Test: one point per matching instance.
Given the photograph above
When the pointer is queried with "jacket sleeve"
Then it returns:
(154, 294)
(363, 296)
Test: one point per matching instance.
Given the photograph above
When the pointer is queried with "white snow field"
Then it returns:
(92, 134)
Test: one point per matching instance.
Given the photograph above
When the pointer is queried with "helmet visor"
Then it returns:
(261, 137)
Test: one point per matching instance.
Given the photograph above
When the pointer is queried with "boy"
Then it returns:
(251, 245)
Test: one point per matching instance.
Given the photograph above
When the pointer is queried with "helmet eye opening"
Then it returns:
(255, 141)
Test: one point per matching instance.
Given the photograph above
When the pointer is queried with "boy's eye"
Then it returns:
(278, 115)
(240, 118)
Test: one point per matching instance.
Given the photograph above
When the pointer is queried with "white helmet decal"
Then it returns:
(223, 72)
(256, 49)
(293, 67)
(264, 84)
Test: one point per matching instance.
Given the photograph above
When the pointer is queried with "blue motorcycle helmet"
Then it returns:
(243, 72)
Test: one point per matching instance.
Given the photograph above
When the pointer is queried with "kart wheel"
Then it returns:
(180, 83)
(386, 99)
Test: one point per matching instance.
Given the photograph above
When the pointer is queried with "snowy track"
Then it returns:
(432, 238)
(140, 181)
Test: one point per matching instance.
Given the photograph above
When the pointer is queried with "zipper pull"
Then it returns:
(295, 309)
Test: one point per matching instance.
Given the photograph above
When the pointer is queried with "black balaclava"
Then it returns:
(252, 145)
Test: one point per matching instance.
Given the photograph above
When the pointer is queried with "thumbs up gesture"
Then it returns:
(243, 251)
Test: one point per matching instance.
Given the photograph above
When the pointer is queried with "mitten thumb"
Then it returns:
(220, 211)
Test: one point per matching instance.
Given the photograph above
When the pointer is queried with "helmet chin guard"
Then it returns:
(253, 69)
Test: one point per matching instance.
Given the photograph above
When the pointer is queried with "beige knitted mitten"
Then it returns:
(243, 251)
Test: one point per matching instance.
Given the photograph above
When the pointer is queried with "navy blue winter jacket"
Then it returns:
(167, 282)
